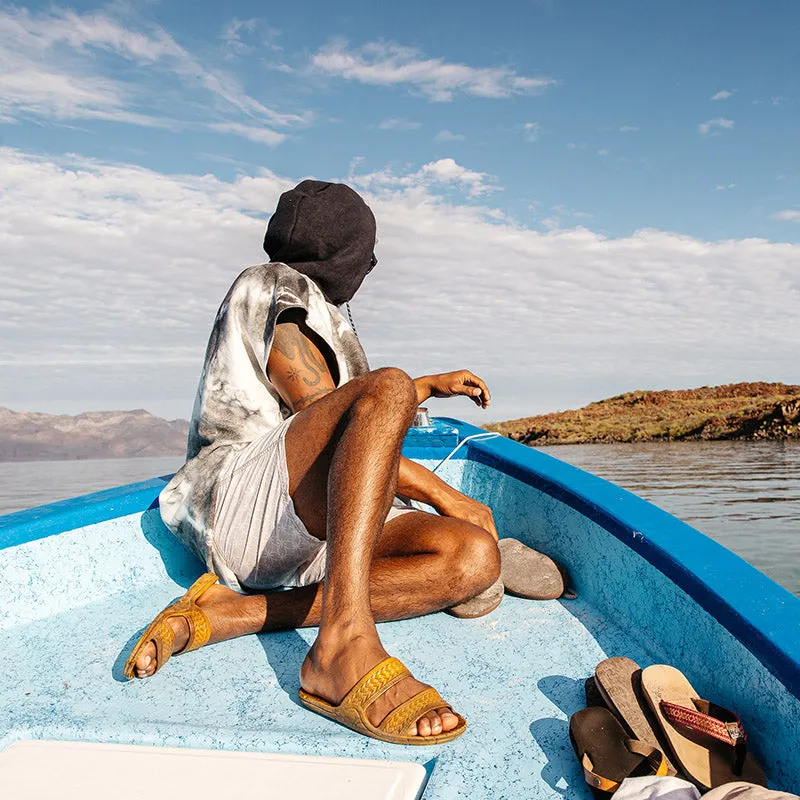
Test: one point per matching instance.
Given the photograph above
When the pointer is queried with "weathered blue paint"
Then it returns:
(759, 612)
(66, 515)
(73, 604)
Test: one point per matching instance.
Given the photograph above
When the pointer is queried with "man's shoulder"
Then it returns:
(275, 278)
(260, 276)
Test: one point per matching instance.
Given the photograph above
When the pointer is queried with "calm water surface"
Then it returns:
(746, 495)
(34, 483)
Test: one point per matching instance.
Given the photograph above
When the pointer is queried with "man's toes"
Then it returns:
(436, 723)
(429, 725)
(449, 719)
(146, 663)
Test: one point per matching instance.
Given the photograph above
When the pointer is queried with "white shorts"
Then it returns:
(256, 530)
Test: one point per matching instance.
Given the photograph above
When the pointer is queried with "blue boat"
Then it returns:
(79, 579)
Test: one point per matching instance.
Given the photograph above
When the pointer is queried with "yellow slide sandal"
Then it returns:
(160, 631)
(352, 711)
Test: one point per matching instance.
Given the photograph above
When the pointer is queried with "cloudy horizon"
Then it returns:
(567, 253)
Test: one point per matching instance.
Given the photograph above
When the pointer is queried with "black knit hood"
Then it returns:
(327, 232)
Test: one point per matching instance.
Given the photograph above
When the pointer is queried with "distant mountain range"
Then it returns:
(28, 436)
(749, 411)
(734, 411)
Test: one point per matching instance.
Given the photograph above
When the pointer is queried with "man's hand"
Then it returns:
(452, 384)
(460, 506)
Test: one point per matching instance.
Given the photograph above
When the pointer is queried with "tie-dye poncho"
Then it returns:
(236, 403)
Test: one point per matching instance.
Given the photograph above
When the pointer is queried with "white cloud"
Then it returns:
(560, 217)
(236, 31)
(723, 94)
(712, 126)
(448, 136)
(604, 151)
(112, 275)
(530, 131)
(444, 172)
(251, 132)
(789, 215)
(387, 64)
(628, 129)
(57, 65)
(724, 187)
(399, 124)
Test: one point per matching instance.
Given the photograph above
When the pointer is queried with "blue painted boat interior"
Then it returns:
(81, 579)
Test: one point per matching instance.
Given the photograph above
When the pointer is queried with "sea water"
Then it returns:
(746, 495)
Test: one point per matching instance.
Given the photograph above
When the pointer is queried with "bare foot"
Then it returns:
(146, 663)
(331, 674)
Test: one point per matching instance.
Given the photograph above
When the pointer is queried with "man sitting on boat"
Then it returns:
(292, 475)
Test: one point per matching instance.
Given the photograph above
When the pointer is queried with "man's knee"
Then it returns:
(388, 390)
(474, 559)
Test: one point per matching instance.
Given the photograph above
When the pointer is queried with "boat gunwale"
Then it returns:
(756, 610)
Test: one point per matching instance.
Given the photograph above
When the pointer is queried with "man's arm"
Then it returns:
(299, 371)
(297, 367)
(418, 483)
(451, 384)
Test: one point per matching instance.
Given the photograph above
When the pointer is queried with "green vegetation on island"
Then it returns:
(736, 411)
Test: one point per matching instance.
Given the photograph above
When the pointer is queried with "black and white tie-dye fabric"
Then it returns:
(235, 402)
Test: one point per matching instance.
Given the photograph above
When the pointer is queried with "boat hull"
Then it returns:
(83, 578)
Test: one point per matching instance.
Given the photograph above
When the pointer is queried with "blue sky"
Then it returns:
(616, 184)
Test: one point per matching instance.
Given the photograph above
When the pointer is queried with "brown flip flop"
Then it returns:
(528, 573)
(619, 683)
(593, 696)
(480, 605)
(606, 752)
(709, 742)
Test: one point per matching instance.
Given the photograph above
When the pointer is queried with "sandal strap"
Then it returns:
(199, 628)
(186, 607)
(711, 720)
(406, 714)
(378, 680)
(655, 758)
(164, 639)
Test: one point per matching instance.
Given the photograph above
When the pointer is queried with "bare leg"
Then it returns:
(422, 564)
(342, 456)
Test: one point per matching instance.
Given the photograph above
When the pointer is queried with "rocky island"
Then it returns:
(26, 436)
(735, 411)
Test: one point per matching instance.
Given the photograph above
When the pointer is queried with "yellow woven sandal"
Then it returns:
(160, 631)
(352, 711)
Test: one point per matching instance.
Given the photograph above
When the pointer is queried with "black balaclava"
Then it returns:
(327, 232)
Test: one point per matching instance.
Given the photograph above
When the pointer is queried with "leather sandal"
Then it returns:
(619, 684)
(160, 631)
(352, 711)
(708, 741)
(606, 752)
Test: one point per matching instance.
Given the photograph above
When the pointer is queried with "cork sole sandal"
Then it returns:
(709, 742)
(527, 573)
(160, 631)
(619, 684)
(352, 711)
(480, 605)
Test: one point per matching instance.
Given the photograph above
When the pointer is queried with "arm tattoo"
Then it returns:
(307, 400)
(294, 346)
